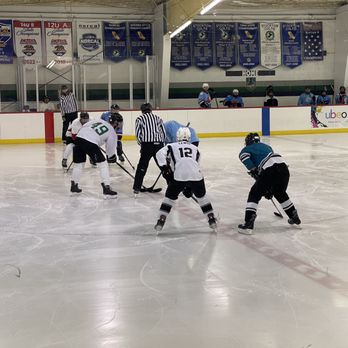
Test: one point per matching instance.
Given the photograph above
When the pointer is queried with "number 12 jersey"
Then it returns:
(183, 158)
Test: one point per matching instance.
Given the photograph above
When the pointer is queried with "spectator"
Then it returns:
(68, 108)
(204, 97)
(341, 98)
(46, 105)
(323, 98)
(306, 98)
(270, 100)
(234, 100)
(26, 108)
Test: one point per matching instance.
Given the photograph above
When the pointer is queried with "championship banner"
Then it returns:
(58, 43)
(90, 42)
(225, 43)
(312, 41)
(181, 52)
(6, 42)
(202, 38)
(249, 47)
(140, 40)
(28, 41)
(291, 45)
(115, 41)
(271, 56)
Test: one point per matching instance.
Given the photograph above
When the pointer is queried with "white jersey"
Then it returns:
(100, 132)
(183, 158)
(74, 128)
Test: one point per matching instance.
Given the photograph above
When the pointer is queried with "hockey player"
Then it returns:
(323, 98)
(306, 98)
(71, 134)
(204, 97)
(234, 100)
(272, 178)
(341, 97)
(172, 128)
(114, 109)
(179, 163)
(88, 141)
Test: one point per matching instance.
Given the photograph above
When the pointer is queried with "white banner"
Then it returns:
(271, 55)
(58, 43)
(90, 41)
(28, 41)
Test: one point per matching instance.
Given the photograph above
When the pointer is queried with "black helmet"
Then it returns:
(114, 107)
(146, 107)
(84, 115)
(252, 138)
(115, 119)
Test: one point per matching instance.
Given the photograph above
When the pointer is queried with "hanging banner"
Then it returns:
(291, 45)
(271, 56)
(202, 39)
(313, 41)
(6, 42)
(181, 52)
(90, 42)
(115, 41)
(140, 40)
(28, 41)
(58, 43)
(249, 47)
(225, 43)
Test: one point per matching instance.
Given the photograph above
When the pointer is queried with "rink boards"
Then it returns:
(40, 127)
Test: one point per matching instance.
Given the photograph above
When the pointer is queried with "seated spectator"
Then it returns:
(306, 98)
(46, 104)
(323, 98)
(234, 100)
(270, 100)
(204, 97)
(341, 98)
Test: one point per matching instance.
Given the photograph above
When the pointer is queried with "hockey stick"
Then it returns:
(152, 188)
(128, 160)
(143, 188)
(277, 213)
(69, 166)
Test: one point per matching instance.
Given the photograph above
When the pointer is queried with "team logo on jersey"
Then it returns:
(90, 42)
(29, 50)
(59, 50)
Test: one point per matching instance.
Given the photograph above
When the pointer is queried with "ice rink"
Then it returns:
(84, 272)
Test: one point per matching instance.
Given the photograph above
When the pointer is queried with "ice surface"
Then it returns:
(88, 272)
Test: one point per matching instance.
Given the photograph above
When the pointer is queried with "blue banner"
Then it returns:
(313, 41)
(291, 44)
(140, 40)
(6, 41)
(115, 41)
(181, 52)
(202, 37)
(249, 45)
(225, 43)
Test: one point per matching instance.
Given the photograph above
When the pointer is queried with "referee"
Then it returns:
(68, 108)
(150, 133)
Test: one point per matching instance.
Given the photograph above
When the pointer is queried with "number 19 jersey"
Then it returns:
(99, 132)
(183, 158)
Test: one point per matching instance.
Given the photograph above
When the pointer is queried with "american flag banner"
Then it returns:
(313, 41)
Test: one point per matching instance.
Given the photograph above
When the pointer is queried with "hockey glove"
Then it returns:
(111, 159)
(254, 174)
(268, 194)
(167, 173)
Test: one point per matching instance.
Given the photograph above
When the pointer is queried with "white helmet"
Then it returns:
(235, 91)
(205, 85)
(183, 134)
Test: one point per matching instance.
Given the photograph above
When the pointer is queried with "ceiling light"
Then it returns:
(209, 7)
(182, 27)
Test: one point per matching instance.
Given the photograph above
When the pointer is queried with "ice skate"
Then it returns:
(121, 158)
(248, 226)
(160, 223)
(108, 192)
(75, 187)
(212, 222)
(294, 219)
(136, 193)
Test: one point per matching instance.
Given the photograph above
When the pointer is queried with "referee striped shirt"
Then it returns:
(68, 104)
(149, 128)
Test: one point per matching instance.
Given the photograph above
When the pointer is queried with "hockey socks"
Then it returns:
(290, 210)
(77, 172)
(104, 172)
